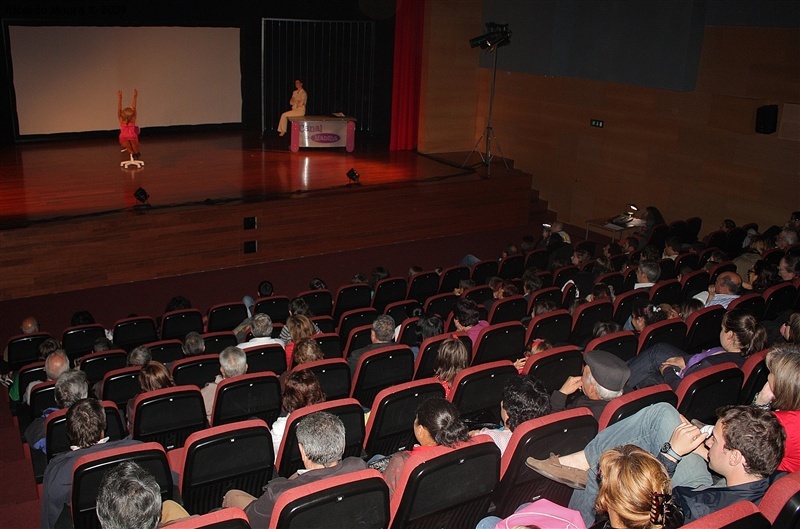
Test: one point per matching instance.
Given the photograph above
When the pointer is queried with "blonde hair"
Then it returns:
(783, 361)
(299, 327)
(630, 476)
(127, 114)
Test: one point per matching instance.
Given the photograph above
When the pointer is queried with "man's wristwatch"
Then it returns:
(666, 449)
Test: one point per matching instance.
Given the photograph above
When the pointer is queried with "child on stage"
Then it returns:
(128, 131)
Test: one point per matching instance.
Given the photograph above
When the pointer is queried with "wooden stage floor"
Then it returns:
(43, 181)
(224, 200)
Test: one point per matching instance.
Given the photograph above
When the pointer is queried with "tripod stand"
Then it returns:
(488, 132)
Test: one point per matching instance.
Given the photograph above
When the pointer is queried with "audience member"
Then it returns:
(467, 319)
(301, 389)
(193, 344)
(601, 328)
(725, 289)
(787, 237)
(152, 376)
(55, 365)
(71, 387)
(299, 327)
(603, 379)
(647, 274)
(29, 325)
(761, 276)
(644, 313)
(741, 335)
(463, 286)
(382, 334)
(789, 267)
(378, 274)
(436, 424)
(543, 307)
(261, 329)
(745, 447)
(138, 356)
(451, 359)
(757, 247)
(321, 439)
(232, 363)
(297, 307)
(652, 217)
(523, 399)
(86, 424)
(317, 284)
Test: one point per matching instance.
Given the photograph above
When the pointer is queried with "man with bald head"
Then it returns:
(29, 325)
(725, 289)
(56, 364)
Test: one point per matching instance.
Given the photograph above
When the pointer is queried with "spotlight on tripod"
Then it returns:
(353, 176)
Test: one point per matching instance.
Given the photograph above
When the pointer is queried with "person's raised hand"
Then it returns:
(571, 385)
(686, 437)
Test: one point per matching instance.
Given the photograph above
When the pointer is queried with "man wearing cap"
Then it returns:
(604, 377)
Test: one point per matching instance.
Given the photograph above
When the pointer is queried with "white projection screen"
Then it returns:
(66, 78)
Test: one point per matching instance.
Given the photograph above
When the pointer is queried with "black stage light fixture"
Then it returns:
(141, 196)
(496, 35)
(353, 176)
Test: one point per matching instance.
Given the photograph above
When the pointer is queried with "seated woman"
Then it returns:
(302, 389)
(299, 327)
(523, 399)
(635, 491)
(741, 335)
(306, 350)
(644, 313)
(452, 358)
(781, 393)
(761, 276)
(152, 376)
(437, 424)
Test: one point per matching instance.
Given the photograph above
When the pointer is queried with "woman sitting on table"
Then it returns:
(298, 103)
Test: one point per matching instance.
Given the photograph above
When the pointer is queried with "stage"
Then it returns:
(69, 220)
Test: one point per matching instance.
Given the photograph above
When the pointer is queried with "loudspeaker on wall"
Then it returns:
(767, 119)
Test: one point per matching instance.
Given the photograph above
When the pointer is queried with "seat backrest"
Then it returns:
(693, 225)
(752, 302)
(390, 427)
(23, 349)
(702, 392)
(422, 286)
(56, 429)
(179, 323)
(718, 269)
(630, 403)
(379, 369)
(130, 333)
(120, 385)
(400, 310)
(168, 416)
(553, 366)
(276, 307)
(671, 331)
(30, 372)
(216, 342)
(677, 228)
(252, 395)
(324, 323)
(623, 344)
(354, 318)
(444, 487)
(195, 370)
(226, 316)
(388, 291)
(755, 376)
(357, 338)
(585, 318)
(482, 271)
(511, 266)
(536, 259)
(666, 291)
(694, 283)
(741, 515)
(551, 293)
(451, 277)
(96, 365)
(781, 504)
(564, 274)
(512, 308)
(658, 235)
(333, 375)
(43, 396)
(78, 340)
(702, 329)
(504, 341)
(733, 241)
(778, 299)
(348, 410)
(479, 294)
(690, 259)
(270, 357)
(330, 344)
(623, 304)
(613, 279)
(166, 351)
(441, 304)
(562, 432)
(88, 472)
(220, 458)
(407, 334)
(320, 302)
(478, 390)
(229, 518)
(350, 297)
(356, 499)
(555, 327)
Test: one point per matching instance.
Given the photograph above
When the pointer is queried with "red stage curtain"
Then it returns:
(407, 74)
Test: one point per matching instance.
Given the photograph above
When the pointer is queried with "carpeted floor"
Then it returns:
(19, 500)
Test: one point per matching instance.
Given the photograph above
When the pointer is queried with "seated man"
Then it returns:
(70, 388)
(382, 334)
(56, 364)
(647, 274)
(725, 289)
(193, 345)
(261, 327)
(604, 377)
(321, 440)
(86, 424)
(130, 498)
(232, 363)
(745, 447)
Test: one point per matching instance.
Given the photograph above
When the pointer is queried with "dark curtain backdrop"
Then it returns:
(407, 74)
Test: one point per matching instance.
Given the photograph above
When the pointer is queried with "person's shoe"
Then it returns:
(137, 155)
(551, 468)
